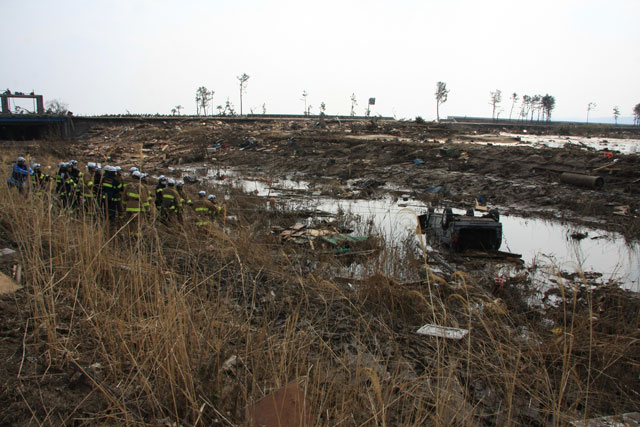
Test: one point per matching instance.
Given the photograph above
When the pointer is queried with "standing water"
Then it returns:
(540, 242)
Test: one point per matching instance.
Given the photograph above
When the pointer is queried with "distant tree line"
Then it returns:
(532, 107)
(537, 106)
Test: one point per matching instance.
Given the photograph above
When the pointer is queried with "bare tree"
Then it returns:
(179, 107)
(243, 85)
(524, 108)
(535, 105)
(441, 97)
(354, 102)
(514, 99)
(228, 109)
(56, 106)
(304, 98)
(636, 114)
(616, 113)
(494, 100)
(548, 104)
(323, 107)
(264, 108)
(203, 97)
(590, 106)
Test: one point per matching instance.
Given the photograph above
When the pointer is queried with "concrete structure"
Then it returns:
(6, 96)
(20, 127)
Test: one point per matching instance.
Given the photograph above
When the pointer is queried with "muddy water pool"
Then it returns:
(544, 243)
(625, 146)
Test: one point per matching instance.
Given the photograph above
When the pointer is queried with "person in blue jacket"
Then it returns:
(20, 175)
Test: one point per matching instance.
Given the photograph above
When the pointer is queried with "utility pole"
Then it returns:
(591, 106)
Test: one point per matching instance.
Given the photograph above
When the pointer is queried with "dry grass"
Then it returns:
(162, 313)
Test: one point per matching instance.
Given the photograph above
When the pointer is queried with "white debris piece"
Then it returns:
(443, 332)
(631, 419)
(229, 363)
(7, 251)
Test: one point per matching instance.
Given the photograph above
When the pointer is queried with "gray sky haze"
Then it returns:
(147, 56)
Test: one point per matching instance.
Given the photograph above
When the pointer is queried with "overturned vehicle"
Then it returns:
(462, 232)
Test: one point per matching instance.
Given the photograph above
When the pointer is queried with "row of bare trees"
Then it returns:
(323, 106)
(538, 106)
(204, 99)
(534, 105)
(531, 105)
(616, 114)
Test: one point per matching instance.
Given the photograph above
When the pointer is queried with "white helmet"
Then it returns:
(21, 160)
(110, 169)
(62, 165)
(171, 181)
(91, 165)
(211, 197)
(73, 162)
(118, 168)
(136, 174)
(132, 169)
(202, 193)
(180, 183)
(35, 165)
(162, 178)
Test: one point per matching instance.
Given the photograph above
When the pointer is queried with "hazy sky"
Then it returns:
(149, 56)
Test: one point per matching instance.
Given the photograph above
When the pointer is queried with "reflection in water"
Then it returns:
(538, 241)
(626, 146)
(535, 239)
(599, 251)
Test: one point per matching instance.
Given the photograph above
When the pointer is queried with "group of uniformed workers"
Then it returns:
(117, 196)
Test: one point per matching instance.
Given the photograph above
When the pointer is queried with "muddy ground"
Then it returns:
(466, 161)
(410, 158)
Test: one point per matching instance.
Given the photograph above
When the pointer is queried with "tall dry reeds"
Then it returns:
(193, 326)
